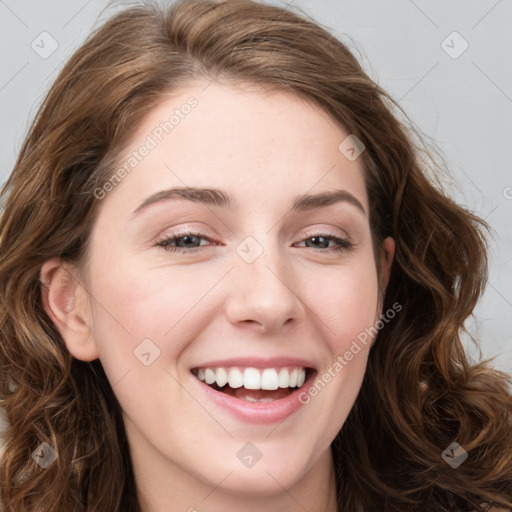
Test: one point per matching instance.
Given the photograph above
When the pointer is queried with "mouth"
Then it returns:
(252, 384)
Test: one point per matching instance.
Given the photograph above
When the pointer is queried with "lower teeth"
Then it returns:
(250, 399)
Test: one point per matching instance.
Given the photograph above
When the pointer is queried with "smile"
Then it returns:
(229, 380)
(262, 394)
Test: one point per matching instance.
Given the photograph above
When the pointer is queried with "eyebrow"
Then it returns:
(216, 197)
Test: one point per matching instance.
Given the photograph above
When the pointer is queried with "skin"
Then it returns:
(296, 299)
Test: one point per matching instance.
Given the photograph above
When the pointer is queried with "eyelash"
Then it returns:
(344, 244)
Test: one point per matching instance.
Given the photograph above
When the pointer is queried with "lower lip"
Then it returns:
(258, 412)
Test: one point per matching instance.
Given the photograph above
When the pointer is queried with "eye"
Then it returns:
(190, 242)
(323, 239)
(182, 242)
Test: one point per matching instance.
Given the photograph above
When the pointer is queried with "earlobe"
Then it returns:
(65, 301)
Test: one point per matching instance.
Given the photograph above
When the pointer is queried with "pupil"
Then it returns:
(317, 238)
(186, 239)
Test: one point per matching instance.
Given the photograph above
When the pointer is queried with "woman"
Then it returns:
(227, 284)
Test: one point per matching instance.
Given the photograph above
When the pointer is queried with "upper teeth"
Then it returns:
(254, 378)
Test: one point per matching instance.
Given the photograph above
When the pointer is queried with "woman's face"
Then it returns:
(255, 289)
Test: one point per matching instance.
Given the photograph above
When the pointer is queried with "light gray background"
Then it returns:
(463, 104)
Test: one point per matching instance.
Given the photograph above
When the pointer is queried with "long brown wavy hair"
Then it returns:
(420, 392)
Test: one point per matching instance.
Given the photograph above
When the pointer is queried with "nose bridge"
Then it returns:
(263, 289)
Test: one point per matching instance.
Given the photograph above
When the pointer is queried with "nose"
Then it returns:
(264, 293)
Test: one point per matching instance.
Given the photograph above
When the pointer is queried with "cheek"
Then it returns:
(345, 300)
(347, 311)
(133, 303)
(171, 305)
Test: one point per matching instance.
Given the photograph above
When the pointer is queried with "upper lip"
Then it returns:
(257, 362)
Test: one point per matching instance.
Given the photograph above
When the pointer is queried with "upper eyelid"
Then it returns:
(307, 235)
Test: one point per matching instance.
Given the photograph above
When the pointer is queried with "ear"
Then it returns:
(66, 303)
(386, 260)
(387, 253)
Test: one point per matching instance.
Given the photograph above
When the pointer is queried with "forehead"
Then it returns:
(251, 142)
